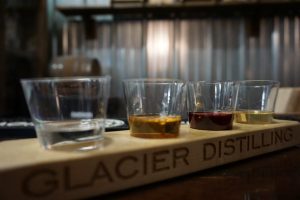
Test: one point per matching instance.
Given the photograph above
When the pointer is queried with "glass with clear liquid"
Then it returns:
(68, 113)
(71, 134)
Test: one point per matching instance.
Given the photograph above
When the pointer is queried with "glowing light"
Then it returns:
(158, 44)
(158, 48)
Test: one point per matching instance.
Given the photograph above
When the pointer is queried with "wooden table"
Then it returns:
(26, 170)
(271, 176)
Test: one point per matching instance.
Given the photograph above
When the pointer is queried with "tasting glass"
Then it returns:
(154, 107)
(210, 105)
(68, 113)
(255, 101)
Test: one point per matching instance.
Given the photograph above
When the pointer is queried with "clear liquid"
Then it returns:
(71, 135)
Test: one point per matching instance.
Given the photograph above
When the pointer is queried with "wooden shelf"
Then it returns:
(189, 10)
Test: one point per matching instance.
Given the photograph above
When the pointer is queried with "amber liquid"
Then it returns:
(154, 126)
(253, 117)
(211, 120)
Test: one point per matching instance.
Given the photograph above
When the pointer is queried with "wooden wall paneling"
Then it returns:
(42, 40)
(2, 58)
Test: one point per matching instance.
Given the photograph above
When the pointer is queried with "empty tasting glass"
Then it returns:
(210, 105)
(154, 107)
(68, 113)
(255, 101)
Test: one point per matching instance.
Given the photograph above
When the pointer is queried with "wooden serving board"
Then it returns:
(29, 172)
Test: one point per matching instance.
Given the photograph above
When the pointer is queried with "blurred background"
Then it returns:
(183, 39)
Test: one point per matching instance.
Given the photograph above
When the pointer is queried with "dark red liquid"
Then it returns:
(211, 120)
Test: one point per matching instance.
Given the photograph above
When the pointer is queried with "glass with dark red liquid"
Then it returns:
(215, 121)
(210, 105)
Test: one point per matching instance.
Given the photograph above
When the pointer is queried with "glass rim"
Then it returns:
(252, 83)
(210, 82)
(65, 79)
(153, 80)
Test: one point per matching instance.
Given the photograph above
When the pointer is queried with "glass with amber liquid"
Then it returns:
(253, 117)
(154, 126)
(154, 107)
